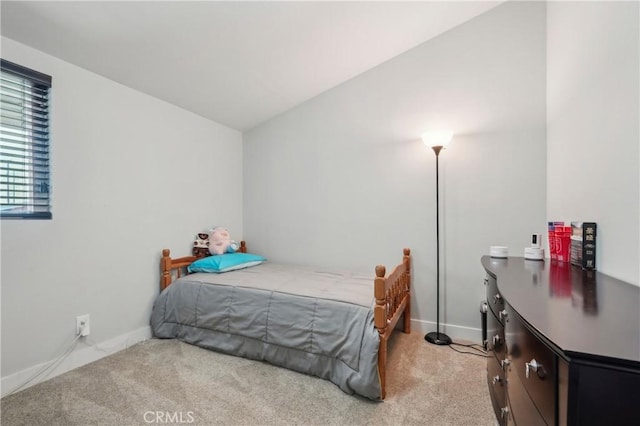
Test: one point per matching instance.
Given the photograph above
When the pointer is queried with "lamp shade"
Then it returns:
(437, 138)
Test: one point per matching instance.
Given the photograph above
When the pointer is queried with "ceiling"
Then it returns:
(237, 63)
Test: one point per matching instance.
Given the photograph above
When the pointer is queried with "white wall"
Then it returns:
(593, 134)
(130, 175)
(343, 180)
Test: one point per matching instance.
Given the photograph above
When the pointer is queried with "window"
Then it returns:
(24, 143)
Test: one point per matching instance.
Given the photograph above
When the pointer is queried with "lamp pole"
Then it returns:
(436, 337)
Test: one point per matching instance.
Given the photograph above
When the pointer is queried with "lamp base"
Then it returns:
(437, 338)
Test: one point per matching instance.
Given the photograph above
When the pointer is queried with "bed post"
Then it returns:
(380, 322)
(165, 266)
(406, 259)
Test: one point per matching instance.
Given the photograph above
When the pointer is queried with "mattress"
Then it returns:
(311, 320)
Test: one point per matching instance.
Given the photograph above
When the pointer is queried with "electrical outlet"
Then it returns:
(82, 325)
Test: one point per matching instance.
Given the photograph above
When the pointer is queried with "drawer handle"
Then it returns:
(503, 314)
(497, 298)
(535, 366)
(505, 363)
(504, 411)
(496, 380)
(496, 340)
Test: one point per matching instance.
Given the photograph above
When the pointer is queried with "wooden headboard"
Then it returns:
(179, 265)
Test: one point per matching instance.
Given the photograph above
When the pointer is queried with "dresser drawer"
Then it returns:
(523, 411)
(494, 298)
(534, 365)
(495, 337)
(497, 388)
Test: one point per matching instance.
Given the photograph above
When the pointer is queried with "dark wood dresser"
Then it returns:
(564, 344)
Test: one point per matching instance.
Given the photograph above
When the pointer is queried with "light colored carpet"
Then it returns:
(169, 382)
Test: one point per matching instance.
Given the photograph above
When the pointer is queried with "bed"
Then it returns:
(326, 323)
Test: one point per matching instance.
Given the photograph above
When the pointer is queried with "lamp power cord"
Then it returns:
(479, 350)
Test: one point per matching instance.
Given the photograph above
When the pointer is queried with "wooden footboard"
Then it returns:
(392, 294)
(393, 298)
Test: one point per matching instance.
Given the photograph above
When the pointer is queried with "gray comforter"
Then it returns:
(305, 319)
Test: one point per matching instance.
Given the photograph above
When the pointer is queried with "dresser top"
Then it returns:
(583, 313)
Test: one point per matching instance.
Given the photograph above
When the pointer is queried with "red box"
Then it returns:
(554, 238)
(563, 239)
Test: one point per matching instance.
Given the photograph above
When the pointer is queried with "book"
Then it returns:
(583, 244)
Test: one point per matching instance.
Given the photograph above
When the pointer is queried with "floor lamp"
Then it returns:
(437, 141)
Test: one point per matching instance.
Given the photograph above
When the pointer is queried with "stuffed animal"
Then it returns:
(201, 245)
(220, 242)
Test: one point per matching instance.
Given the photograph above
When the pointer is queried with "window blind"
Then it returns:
(24, 143)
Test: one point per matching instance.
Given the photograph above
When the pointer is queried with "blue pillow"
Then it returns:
(225, 262)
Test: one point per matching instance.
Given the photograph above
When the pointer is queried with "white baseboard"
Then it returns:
(456, 332)
(86, 351)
